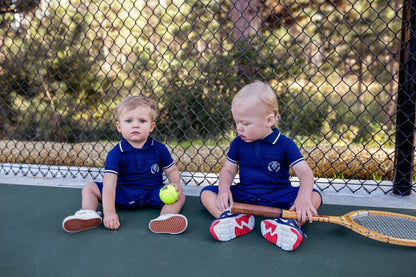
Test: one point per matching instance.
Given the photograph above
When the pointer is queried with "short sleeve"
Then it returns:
(112, 162)
(232, 154)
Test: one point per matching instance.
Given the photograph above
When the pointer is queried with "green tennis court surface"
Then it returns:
(33, 243)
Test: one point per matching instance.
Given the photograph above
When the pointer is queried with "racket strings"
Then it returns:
(398, 227)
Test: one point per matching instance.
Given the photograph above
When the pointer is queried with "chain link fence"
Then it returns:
(334, 65)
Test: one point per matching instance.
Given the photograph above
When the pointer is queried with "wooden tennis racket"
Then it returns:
(387, 227)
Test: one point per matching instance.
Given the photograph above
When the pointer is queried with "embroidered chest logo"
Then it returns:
(154, 169)
(273, 166)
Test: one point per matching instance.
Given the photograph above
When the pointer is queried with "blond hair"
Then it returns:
(132, 102)
(263, 94)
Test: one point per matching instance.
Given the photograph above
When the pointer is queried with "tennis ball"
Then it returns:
(168, 194)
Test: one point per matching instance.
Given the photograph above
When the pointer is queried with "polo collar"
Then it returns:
(125, 146)
(273, 137)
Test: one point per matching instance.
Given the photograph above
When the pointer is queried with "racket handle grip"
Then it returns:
(264, 211)
(257, 210)
(272, 212)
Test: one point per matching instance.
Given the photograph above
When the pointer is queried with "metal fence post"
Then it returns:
(404, 155)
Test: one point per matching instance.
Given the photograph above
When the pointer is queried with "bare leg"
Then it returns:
(85, 219)
(208, 199)
(90, 197)
(316, 200)
(170, 221)
(174, 208)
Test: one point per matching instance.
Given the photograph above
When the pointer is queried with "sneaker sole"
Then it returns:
(173, 225)
(282, 236)
(229, 228)
(78, 225)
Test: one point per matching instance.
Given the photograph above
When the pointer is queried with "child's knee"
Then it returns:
(181, 198)
(203, 194)
(316, 199)
(207, 196)
(90, 188)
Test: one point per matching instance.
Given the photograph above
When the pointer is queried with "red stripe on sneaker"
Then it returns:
(243, 231)
(271, 228)
(299, 239)
(211, 229)
(243, 219)
(242, 227)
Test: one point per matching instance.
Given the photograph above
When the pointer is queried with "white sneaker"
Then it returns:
(169, 224)
(285, 233)
(229, 226)
(81, 220)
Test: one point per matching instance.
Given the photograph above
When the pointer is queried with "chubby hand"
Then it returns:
(224, 199)
(111, 220)
(178, 188)
(304, 210)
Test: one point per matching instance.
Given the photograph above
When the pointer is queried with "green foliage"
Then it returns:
(197, 108)
(62, 75)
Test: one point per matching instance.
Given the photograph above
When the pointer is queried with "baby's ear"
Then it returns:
(271, 120)
(118, 126)
(152, 127)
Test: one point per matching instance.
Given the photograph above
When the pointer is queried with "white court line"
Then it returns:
(338, 193)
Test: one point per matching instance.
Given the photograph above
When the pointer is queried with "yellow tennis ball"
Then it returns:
(168, 194)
